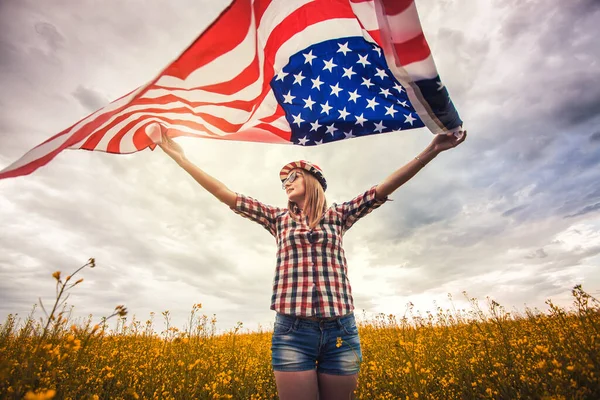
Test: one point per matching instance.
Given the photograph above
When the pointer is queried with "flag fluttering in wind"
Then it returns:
(278, 71)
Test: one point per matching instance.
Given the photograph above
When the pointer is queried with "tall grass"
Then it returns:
(448, 354)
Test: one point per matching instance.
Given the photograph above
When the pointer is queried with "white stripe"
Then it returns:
(365, 12)
(265, 109)
(403, 27)
(424, 69)
(37, 153)
(281, 123)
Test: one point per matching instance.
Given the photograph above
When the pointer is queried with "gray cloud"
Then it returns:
(539, 253)
(50, 34)
(90, 99)
(595, 137)
(585, 210)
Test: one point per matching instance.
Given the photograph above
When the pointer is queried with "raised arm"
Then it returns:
(214, 186)
(404, 174)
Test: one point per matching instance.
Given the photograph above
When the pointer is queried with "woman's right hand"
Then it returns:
(172, 149)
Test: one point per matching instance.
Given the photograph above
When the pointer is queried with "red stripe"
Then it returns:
(395, 7)
(376, 35)
(414, 50)
(222, 36)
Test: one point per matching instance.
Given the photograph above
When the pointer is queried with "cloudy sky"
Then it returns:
(513, 214)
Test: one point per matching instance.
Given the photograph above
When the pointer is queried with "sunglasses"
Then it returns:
(290, 179)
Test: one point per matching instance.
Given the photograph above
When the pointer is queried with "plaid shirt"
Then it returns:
(311, 276)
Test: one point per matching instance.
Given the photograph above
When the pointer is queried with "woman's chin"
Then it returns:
(294, 199)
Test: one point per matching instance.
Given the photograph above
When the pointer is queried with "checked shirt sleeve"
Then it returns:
(353, 210)
(258, 212)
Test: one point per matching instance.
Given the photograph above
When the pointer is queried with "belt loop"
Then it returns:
(296, 323)
(339, 322)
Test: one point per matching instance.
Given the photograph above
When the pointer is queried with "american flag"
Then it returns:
(278, 71)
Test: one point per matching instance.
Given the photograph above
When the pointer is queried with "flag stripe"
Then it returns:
(413, 50)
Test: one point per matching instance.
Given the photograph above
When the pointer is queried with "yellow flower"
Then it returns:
(42, 395)
(338, 342)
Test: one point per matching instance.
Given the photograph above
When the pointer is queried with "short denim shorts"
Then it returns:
(331, 347)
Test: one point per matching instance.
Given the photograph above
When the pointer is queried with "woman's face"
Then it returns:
(295, 189)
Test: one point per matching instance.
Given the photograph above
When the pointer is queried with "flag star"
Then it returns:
(308, 57)
(325, 108)
(403, 103)
(380, 73)
(298, 78)
(335, 89)
(303, 141)
(329, 65)
(379, 127)
(390, 110)
(281, 75)
(354, 95)
(372, 103)
(348, 72)
(367, 83)
(343, 113)
(315, 125)
(343, 48)
(398, 88)
(287, 98)
(410, 119)
(319, 141)
(385, 92)
(308, 103)
(298, 119)
(363, 60)
(378, 50)
(440, 86)
(331, 128)
(317, 83)
(360, 120)
(348, 134)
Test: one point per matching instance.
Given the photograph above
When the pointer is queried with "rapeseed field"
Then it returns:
(448, 354)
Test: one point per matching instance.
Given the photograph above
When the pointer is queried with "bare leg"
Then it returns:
(337, 387)
(301, 385)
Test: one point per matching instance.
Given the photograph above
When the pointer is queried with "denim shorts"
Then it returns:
(330, 347)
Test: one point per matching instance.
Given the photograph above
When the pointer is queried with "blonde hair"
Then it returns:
(315, 202)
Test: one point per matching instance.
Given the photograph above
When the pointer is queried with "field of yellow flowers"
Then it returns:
(449, 354)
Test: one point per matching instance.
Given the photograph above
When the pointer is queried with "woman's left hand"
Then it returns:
(447, 141)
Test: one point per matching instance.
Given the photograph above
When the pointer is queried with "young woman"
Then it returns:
(315, 345)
